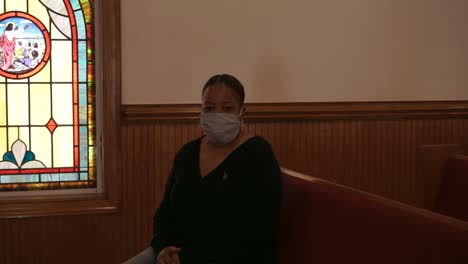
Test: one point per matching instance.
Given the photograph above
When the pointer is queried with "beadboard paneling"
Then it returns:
(378, 154)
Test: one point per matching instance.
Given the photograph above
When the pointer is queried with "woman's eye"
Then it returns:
(227, 108)
(207, 109)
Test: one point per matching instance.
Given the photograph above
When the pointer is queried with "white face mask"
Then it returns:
(220, 128)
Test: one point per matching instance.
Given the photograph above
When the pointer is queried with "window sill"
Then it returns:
(79, 204)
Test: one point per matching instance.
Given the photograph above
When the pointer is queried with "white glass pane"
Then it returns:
(63, 147)
(33, 164)
(62, 104)
(40, 104)
(7, 165)
(56, 6)
(61, 61)
(62, 23)
(18, 104)
(55, 33)
(41, 145)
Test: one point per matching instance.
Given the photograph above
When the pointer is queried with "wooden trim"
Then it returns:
(301, 111)
(109, 73)
(110, 68)
(77, 204)
(160, 113)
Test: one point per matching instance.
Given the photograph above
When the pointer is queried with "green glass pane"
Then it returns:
(68, 176)
(19, 178)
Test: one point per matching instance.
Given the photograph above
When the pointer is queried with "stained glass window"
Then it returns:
(47, 98)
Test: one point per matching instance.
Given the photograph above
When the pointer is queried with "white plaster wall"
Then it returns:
(296, 50)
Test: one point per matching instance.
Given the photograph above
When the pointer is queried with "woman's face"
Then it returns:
(220, 99)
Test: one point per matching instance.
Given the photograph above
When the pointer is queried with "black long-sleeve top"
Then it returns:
(229, 215)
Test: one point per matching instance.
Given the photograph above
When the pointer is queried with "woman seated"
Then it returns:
(223, 195)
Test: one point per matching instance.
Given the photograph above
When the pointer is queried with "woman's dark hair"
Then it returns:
(228, 81)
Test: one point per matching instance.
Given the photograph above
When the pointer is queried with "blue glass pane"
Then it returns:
(19, 178)
(83, 176)
(83, 146)
(75, 4)
(68, 176)
(80, 25)
(82, 67)
(50, 178)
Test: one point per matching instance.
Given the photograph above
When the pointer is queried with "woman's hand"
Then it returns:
(169, 255)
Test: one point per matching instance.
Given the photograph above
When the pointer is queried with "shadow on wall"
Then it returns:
(270, 79)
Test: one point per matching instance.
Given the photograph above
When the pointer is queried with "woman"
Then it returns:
(223, 195)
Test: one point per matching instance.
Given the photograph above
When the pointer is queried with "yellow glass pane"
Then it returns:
(24, 136)
(2, 79)
(91, 130)
(41, 145)
(2, 105)
(92, 156)
(39, 11)
(3, 141)
(17, 104)
(40, 104)
(43, 75)
(63, 147)
(61, 61)
(62, 104)
(16, 5)
(55, 33)
(2, 10)
(12, 136)
(17, 80)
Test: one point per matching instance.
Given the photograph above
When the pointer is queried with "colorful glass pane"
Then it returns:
(47, 116)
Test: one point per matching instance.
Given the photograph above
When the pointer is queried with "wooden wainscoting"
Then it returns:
(369, 146)
(373, 147)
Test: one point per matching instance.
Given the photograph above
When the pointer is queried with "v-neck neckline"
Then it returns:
(222, 162)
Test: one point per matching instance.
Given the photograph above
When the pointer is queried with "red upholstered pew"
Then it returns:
(453, 193)
(322, 222)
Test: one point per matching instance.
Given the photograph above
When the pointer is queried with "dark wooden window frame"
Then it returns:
(109, 200)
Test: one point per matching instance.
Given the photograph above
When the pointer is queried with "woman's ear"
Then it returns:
(241, 113)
